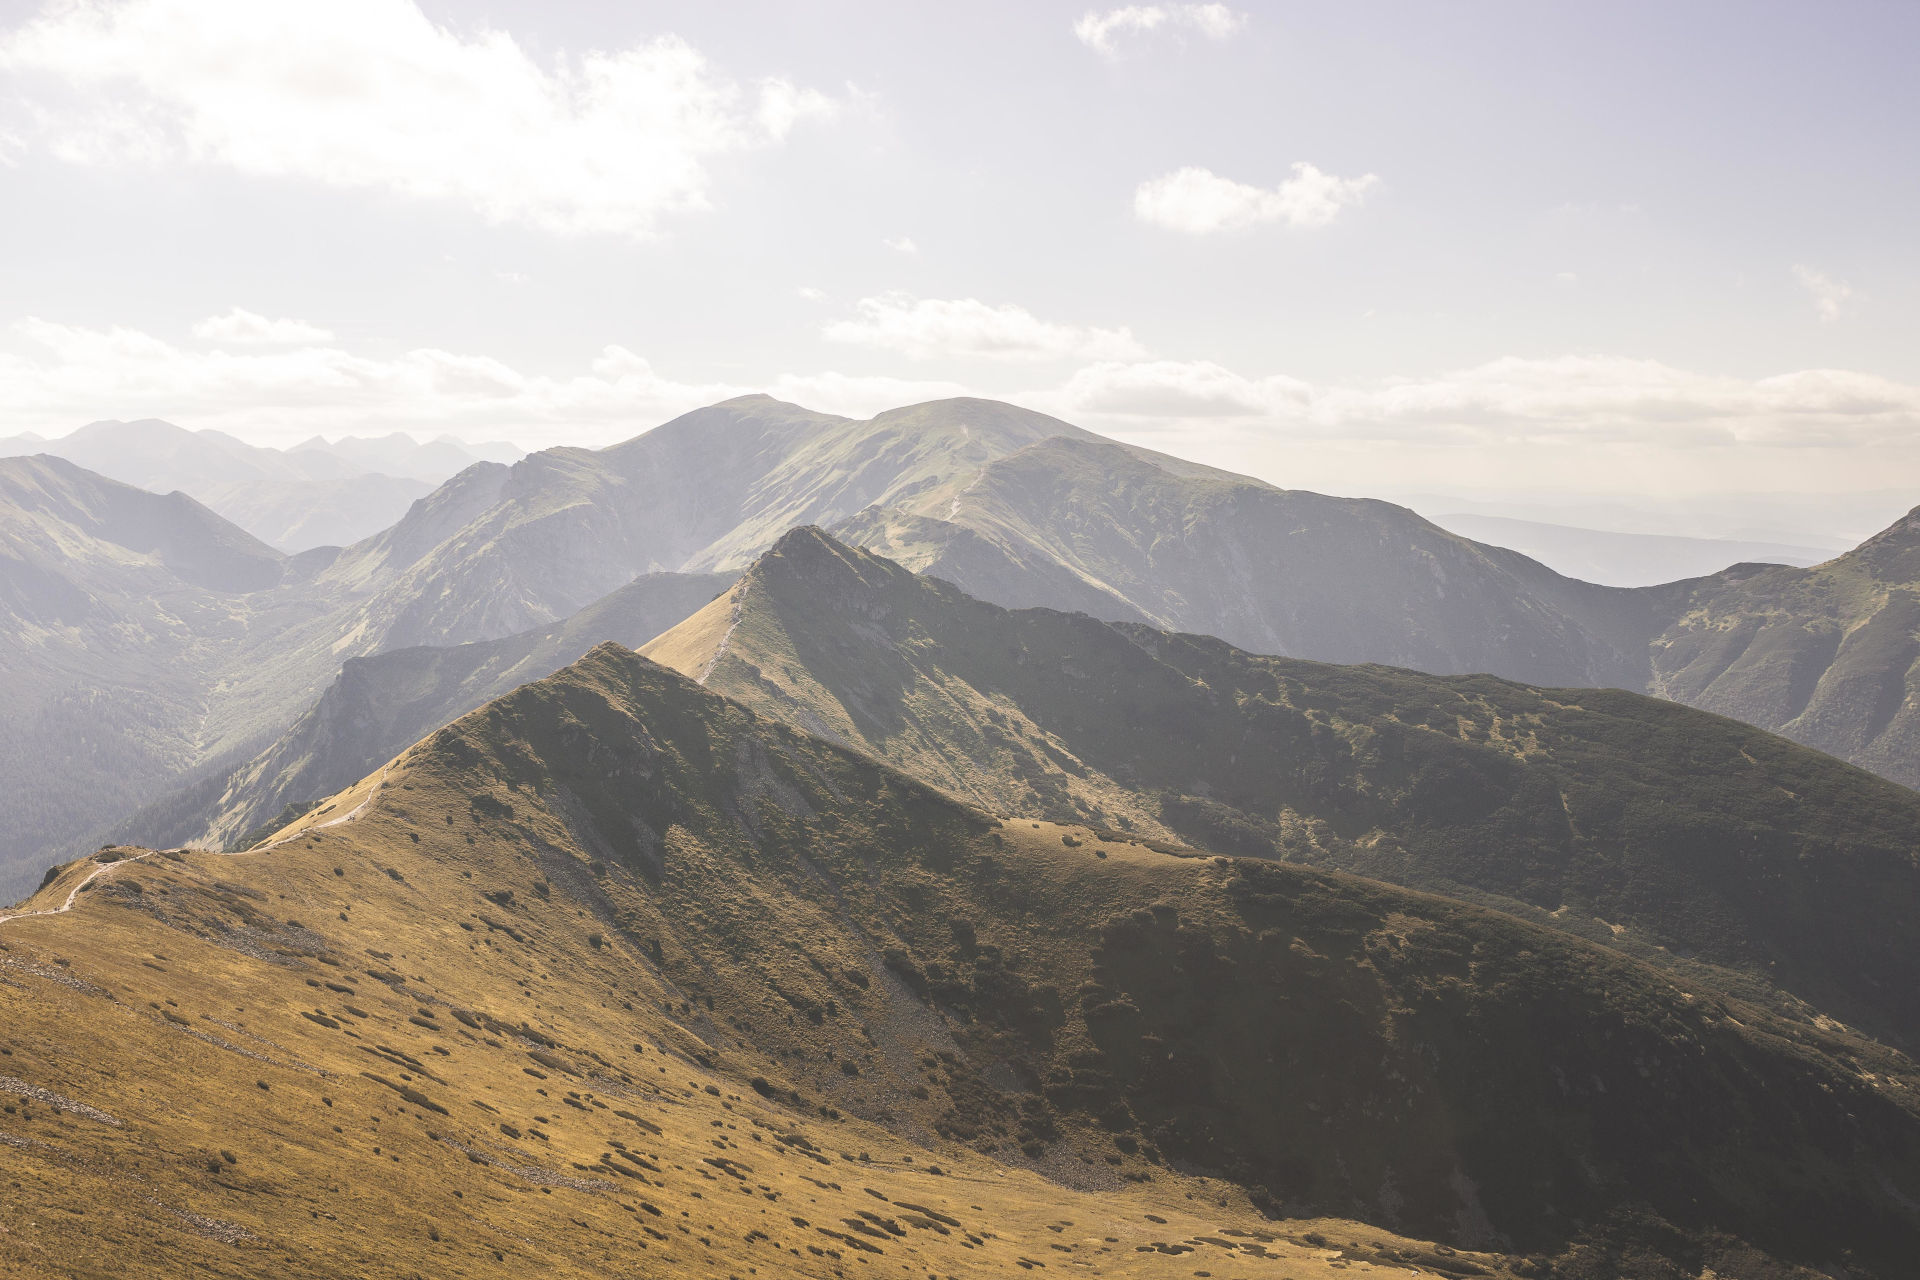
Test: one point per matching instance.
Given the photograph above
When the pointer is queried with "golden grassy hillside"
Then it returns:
(612, 977)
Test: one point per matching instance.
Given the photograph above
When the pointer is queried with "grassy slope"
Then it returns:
(1634, 821)
(1825, 655)
(613, 885)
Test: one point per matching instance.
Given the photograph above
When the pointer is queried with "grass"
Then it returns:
(840, 1025)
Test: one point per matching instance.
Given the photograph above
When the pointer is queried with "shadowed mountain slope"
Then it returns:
(1635, 821)
(382, 703)
(292, 499)
(613, 974)
(109, 597)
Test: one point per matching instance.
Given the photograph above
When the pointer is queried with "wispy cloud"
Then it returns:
(1103, 32)
(372, 94)
(56, 376)
(1198, 202)
(246, 328)
(1830, 296)
(925, 327)
(60, 375)
(901, 244)
(1591, 399)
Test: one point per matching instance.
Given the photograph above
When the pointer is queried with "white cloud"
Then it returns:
(1197, 201)
(924, 327)
(859, 397)
(61, 375)
(1591, 399)
(371, 94)
(239, 326)
(812, 294)
(54, 376)
(1829, 295)
(1180, 389)
(1101, 32)
(901, 244)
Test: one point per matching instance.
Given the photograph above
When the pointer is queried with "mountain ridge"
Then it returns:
(699, 955)
(1658, 827)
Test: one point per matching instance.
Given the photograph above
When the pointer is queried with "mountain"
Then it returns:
(1825, 655)
(1646, 825)
(1015, 507)
(613, 976)
(382, 703)
(1127, 535)
(708, 490)
(313, 495)
(109, 598)
(495, 551)
(1624, 559)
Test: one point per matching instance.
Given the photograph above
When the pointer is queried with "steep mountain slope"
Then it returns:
(382, 703)
(1641, 823)
(493, 552)
(1826, 656)
(110, 598)
(1119, 533)
(291, 499)
(708, 490)
(614, 975)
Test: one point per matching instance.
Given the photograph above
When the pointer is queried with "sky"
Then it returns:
(1539, 252)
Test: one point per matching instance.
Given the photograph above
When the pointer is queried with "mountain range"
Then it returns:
(314, 494)
(614, 973)
(786, 844)
(1015, 508)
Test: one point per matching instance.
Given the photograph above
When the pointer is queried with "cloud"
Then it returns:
(812, 294)
(371, 94)
(1829, 295)
(924, 327)
(1101, 31)
(1198, 202)
(238, 326)
(857, 396)
(54, 376)
(901, 244)
(1589, 399)
(58, 376)
(1180, 389)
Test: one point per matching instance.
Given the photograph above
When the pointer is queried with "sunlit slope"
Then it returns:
(1825, 655)
(999, 1001)
(1662, 830)
(708, 490)
(198, 1081)
(1093, 525)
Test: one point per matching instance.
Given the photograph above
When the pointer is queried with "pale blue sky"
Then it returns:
(1598, 247)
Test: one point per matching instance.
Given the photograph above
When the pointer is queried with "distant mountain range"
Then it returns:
(947, 842)
(314, 494)
(1015, 508)
(1625, 559)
